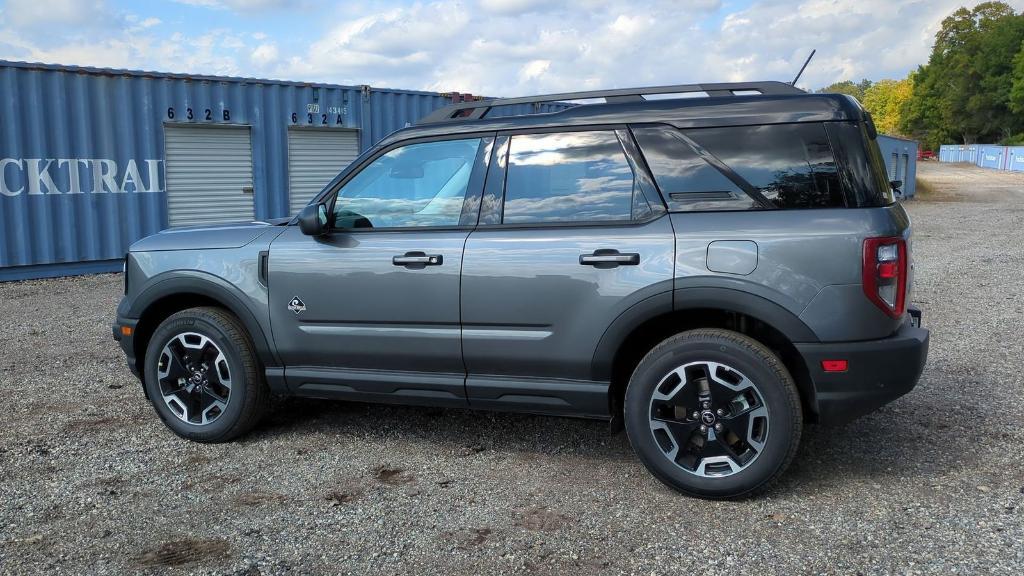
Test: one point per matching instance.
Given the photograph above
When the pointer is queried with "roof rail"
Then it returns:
(479, 109)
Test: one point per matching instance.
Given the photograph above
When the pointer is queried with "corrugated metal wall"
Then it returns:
(82, 171)
(900, 161)
(985, 155)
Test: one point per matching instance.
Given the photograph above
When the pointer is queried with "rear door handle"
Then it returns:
(607, 258)
(417, 260)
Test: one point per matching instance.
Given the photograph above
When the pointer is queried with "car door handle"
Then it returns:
(418, 260)
(606, 258)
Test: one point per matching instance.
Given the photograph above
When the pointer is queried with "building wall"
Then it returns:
(991, 156)
(900, 161)
(82, 171)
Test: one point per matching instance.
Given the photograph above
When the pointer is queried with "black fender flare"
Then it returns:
(210, 286)
(694, 298)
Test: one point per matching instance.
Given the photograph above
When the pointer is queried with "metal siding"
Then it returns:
(207, 168)
(315, 157)
(60, 112)
(900, 157)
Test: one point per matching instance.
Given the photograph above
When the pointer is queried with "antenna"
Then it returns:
(802, 68)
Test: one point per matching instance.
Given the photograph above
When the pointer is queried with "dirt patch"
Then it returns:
(93, 424)
(468, 537)
(540, 520)
(182, 552)
(948, 182)
(211, 482)
(343, 496)
(259, 498)
(392, 476)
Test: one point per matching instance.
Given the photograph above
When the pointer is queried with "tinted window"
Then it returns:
(415, 185)
(686, 180)
(569, 177)
(790, 164)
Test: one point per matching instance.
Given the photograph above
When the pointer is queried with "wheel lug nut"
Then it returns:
(718, 427)
(720, 412)
(695, 415)
(703, 429)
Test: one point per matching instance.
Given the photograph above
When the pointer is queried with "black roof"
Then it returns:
(781, 106)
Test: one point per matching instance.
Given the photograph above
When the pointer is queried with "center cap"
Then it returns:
(707, 417)
(196, 378)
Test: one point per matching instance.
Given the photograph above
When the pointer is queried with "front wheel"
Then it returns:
(713, 413)
(202, 376)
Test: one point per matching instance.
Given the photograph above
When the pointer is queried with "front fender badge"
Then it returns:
(296, 305)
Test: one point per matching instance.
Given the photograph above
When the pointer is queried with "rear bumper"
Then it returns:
(879, 371)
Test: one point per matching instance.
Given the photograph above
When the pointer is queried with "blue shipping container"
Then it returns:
(900, 157)
(82, 157)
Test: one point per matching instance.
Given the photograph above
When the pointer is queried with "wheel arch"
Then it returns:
(651, 321)
(173, 294)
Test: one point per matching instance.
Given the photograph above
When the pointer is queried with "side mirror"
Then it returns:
(897, 187)
(313, 220)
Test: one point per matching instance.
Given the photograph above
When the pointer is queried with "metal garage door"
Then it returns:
(209, 174)
(314, 158)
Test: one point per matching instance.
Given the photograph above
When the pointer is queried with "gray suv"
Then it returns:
(709, 273)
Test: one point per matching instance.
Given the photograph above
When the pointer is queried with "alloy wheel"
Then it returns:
(194, 378)
(709, 419)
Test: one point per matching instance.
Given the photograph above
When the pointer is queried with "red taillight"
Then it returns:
(885, 273)
(834, 365)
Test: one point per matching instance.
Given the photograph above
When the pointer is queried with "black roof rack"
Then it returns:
(479, 109)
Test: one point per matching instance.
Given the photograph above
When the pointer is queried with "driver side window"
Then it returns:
(415, 185)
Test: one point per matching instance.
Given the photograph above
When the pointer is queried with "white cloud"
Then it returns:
(264, 55)
(33, 13)
(494, 47)
(241, 5)
(514, 7)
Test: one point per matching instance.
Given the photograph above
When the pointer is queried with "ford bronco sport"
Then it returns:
(709, 273)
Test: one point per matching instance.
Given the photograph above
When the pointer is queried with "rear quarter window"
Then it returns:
(792, 166)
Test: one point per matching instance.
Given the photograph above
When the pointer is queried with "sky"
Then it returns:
(484, 47)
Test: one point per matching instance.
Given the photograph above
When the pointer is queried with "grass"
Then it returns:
(924, 190)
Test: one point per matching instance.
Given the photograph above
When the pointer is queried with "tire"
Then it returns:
(749, 390)
(228, 398)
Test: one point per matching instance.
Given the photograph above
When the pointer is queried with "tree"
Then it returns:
(855, 89)
(1017, 83)
(963, 93)
(886, 100)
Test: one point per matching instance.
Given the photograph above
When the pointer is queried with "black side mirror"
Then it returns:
(897, 187)
(313, 220)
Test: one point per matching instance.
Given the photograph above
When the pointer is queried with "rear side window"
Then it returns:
(791, 165)
(570, 177)
(687, 181)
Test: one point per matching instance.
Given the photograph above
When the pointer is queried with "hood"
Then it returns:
(205, 237)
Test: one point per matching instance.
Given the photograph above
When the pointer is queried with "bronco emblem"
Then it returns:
(296, 305)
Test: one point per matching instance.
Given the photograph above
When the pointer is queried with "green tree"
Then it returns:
(1017, 83)
(855, 89)
(886, 100)
(963, 93)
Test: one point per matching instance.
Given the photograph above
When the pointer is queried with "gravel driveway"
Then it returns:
(92, 482)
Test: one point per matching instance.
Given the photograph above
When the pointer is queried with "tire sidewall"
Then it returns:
(239, 378)
(776, 392)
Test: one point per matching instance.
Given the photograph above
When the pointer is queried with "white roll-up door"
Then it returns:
(314, 158)
(209, 174)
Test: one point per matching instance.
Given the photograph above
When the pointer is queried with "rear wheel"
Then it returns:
(713, 413)
(202, 377)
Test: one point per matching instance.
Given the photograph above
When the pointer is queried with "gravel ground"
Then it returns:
(91, 481)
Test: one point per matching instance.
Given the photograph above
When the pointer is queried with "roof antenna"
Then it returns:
(802, 68)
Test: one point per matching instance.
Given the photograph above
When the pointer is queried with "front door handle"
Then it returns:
(417, 260)
(608, 258)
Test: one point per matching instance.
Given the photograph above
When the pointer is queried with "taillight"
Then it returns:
(885, 273)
